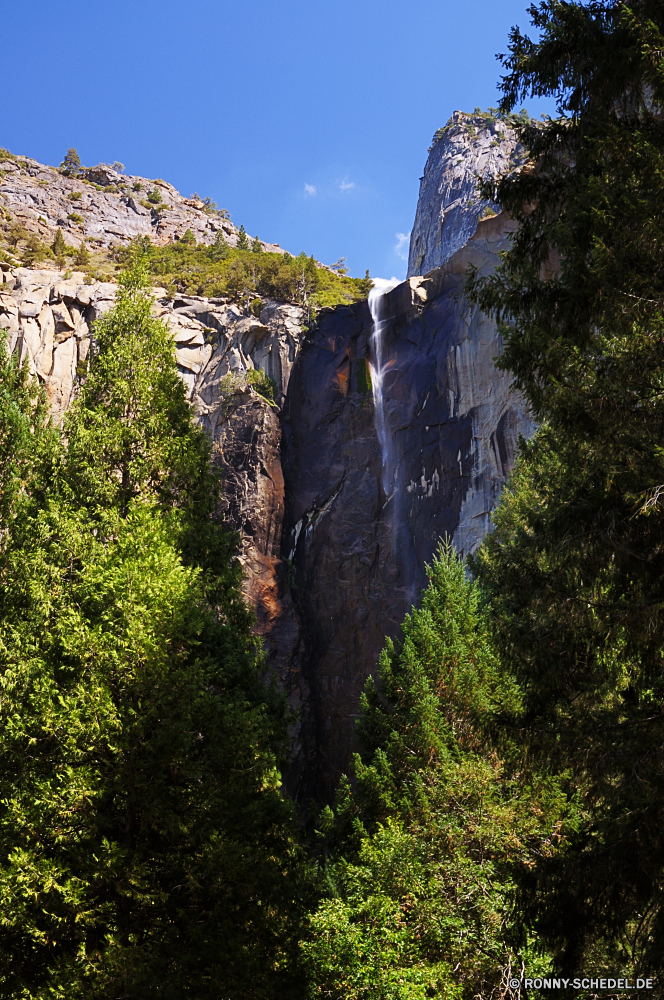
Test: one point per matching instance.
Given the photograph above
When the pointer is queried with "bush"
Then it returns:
(76, 218)
(82, 258)
(154, 197)
(71, 164)
(263, 384)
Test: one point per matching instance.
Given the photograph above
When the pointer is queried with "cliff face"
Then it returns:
(357, 540)
(340, 493)
(448, 207)
(107, 207)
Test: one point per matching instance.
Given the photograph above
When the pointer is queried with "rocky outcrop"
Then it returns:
(333, 549)
(357, 549)
(468, 148)
(104, 207)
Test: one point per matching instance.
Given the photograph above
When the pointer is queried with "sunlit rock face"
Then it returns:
(449, 207)
(357, 546)
(105, 207)
(335, 521)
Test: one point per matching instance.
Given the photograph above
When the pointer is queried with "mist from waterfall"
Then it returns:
(379, 365)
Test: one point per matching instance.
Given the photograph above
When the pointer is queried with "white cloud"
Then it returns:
(402, 244)
(310, 190)
(346, 185)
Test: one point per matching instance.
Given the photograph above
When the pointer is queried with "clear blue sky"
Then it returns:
(308, 121)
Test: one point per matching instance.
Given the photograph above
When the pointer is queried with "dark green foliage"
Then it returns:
(575, 567)
(71, 164)
(439, 817)
(154, 197)
(82, 258)
(219, 270)
(220, 249)
(145, 848)
(58, 246)
(257, 246)
(35, 251)
(242, 241)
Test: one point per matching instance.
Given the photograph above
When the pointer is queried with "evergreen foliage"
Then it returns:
(58, 246)
(71, 164)
(82, 258)
(574, 568)
(243, 241)
(425, 844)
(145, 848)
(220, 270)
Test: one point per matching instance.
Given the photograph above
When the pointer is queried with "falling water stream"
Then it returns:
(380, 364)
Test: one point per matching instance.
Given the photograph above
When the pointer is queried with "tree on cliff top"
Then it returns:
(145, 848)
(575, 567)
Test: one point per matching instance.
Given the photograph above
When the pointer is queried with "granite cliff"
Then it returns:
(468, 148)
(103, 206)
(334, 535)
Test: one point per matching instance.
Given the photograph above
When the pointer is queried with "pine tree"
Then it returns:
(427, 841)
(58, 246)
(219, 249)
(242, 242)
(257, 246)
(82, 258)
(146, 850)
(574, 567)
(71, 163)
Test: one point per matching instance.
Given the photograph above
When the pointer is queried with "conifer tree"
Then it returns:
(220, 249)
(257, 246)
(71, 163)
(574, 567)
(242, 242)
(58, 246)
(424, 846)
(82, 258)
(145, 848)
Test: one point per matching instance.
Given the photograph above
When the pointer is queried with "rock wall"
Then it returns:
(104, 207)
(332, 563)
(333, 549)
(357, 555)
(449, 207)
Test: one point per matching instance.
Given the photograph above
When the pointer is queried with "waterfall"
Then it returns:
(379, 365)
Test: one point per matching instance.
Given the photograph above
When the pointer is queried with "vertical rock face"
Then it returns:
(106, 207)
(334, 537)
(448, 207)
(359, 551)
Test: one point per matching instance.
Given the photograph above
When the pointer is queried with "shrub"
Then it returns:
(154, 197)
(75, 218)
(263, 384)
(71, 163)
(58, 246)
(75, 195)
(82, 258)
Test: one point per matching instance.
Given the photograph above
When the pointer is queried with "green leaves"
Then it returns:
(574, 568)
(145, 847)
(444, 810)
